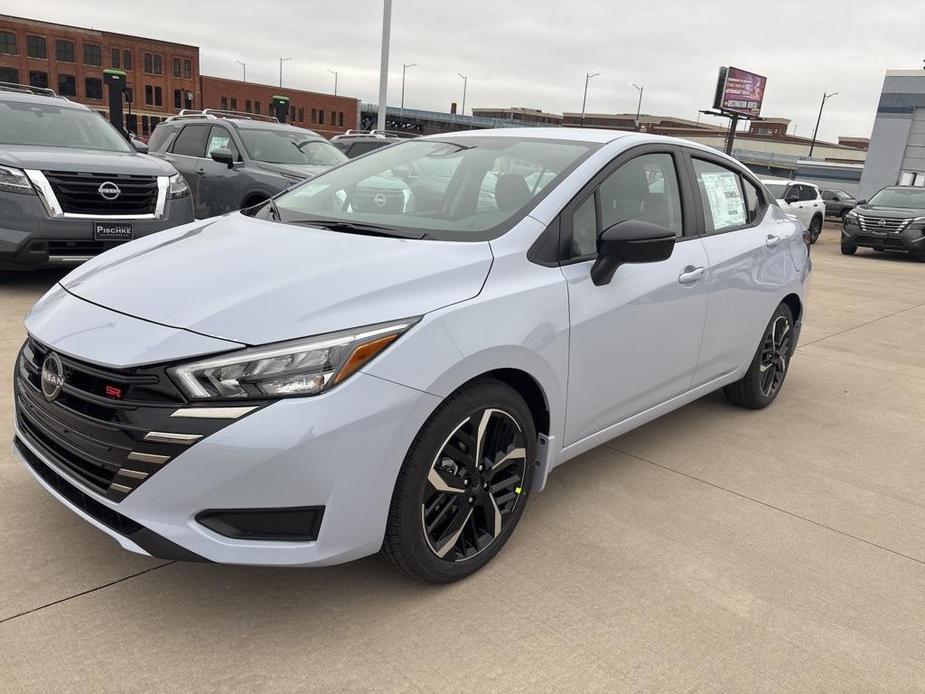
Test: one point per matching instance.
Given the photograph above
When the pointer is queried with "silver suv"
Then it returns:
(235, 160)
(71, 186)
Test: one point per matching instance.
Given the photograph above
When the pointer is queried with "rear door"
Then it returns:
(749, 261)
(633, 342)
(186, 154)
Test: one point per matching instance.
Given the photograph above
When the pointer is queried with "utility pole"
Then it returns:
(384, 64)
(333, 72)
(639, 106)
(281, 61)
(465, 79)
(812, 145)
(243, 70)
(584, 101)
(404, 70)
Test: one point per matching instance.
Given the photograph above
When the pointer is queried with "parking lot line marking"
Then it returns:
(862, 325)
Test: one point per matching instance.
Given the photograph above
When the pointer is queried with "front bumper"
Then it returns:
(31, 239)
(340, 451)
(907, 241)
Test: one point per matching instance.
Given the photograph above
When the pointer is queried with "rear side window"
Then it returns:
(159, 138)
(753, 201)
(191, 141)
(724, 205)
(828, 195)
(807, 193)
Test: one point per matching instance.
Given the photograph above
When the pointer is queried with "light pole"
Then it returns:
(639, 105)
(584, 101)
(404, 70)
(384, 64)
(465, 79)
(333, 72)
(243, 70)
(825, 97)
(281, 61)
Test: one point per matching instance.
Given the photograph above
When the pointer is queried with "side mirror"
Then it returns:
(862, 202)
(632, 241)
(223, 156)
(140, 147)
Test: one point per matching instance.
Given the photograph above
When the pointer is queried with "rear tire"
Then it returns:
(765, 376)
(848, 248)
(464, 484)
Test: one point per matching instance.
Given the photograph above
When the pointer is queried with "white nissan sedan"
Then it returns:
(394, 355)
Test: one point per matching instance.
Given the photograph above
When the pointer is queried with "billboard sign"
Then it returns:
(740, 92)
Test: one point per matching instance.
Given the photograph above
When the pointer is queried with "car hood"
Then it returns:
(256, 282)
(889, 212)
(297, 170)
(66, 159)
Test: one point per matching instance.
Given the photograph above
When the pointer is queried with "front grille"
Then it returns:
(885, 242)
(882, 224)
(94, 430)
(76, 248)
(78, 193)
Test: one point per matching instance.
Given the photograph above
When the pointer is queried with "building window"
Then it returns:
(154, 64)
(314, 115)
(38, 79)
(178, 98)
(320, 116)
(247, 106)
(188, 100)
(257, 107)
(116, 57)
(64, 50)
(154, 121)
(224, 103)
(154, 96)
(92, 54)
(127, 60)
(340, 119)
(131, 122)
(144, 125)
(9, 74)
(35, 47)
(93, 88)
(176, 67)
(188, 69)
(333, 118)
(67, 85)
(129, 95)
(8, 42)
(292, 114)
(234, 104)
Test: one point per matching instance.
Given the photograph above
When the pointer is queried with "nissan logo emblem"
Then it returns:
(881, 223)
(52, 377)
(380, 200)
(109, 190)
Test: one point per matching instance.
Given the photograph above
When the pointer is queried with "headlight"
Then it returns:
(853, 214)
(288, 369)
(14, 181)
(178, 187)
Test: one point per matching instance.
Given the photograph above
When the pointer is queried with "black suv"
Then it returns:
(838, 203)
(892, 220)
(354, 143)
(235, 160)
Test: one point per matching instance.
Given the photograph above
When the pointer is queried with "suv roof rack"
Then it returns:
(376, 133)
(221, 113)
(28, 89)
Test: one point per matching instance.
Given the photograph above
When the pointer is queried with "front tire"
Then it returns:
(848, 248)
(765, 376)
(464, 484)
(815, 229)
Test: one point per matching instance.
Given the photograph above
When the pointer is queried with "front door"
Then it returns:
(220, 187)
(634, 342)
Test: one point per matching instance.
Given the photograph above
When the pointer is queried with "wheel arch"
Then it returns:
(527, 387)
(795, 304)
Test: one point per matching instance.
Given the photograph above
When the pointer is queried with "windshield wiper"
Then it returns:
(359, 228)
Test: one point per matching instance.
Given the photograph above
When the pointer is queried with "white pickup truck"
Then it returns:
(802, 200)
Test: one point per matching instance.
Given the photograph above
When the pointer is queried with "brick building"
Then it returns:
(326, 114)
(533, 116)
(162, 77)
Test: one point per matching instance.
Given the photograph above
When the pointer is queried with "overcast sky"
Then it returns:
(536, 53)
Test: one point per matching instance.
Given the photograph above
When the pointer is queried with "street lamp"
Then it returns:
(584, 101)
(384, 64)
(243, 69)
(825, 97)
(281, 61)
(404, 70)
(465, 79)
(639, 105)
(333, 72)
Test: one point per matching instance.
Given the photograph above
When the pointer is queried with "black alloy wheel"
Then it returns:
(775, 355)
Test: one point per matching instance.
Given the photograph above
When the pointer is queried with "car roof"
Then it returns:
(592, 135)
(766, 181)
(24, 97)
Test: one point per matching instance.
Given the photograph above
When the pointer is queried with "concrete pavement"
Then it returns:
(713, 550)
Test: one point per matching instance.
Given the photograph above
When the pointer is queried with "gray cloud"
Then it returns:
(536, 54)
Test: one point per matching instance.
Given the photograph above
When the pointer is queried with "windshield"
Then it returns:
(290, 147)
(464, 190)
(776, 189)
(906, 198)
(50, 125)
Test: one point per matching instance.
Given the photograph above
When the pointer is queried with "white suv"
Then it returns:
(801, 199)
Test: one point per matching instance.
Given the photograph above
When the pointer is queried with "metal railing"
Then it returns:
(28, 89)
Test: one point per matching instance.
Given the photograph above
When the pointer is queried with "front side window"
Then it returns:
(645, 189)
(35, 47)
(93, 87)
(723, 201)
(289, 147)
(92, 54)
(584, 229)
(220, 138)
(8, 42)
(468, 189)
(191, 141)
(64, 51)
(50, 125)
(777, 190)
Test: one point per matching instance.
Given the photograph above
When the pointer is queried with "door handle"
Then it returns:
(773, 241)
(691, 274)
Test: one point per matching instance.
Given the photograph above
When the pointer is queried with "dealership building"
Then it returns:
(897, 144)
(162, 77)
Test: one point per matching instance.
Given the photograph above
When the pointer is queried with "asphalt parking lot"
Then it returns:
(713, 550)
